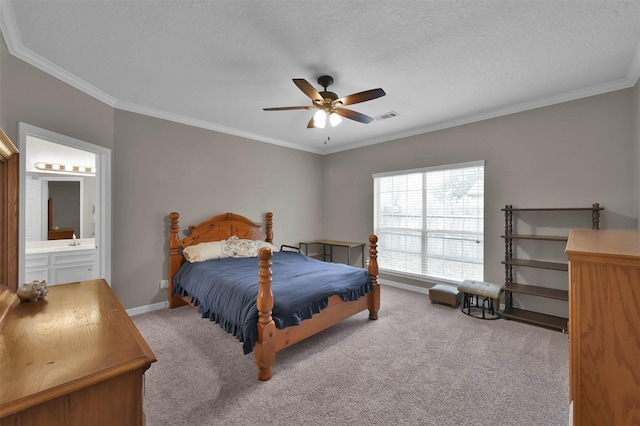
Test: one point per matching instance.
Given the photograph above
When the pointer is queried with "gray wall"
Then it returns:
(637, 118)
(160, 167)
(566, 155)
(571, 154)
(34, 97)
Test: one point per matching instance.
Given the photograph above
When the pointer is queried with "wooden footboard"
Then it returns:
(270, 340)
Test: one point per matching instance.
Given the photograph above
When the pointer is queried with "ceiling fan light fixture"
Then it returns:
(319, 119)
(327, 103)
(334, 119)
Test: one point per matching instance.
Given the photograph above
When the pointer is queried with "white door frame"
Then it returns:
(103, 186)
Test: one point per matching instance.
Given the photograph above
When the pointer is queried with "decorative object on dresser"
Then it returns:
(604, 327)
(75, 358)
(539, 291)
(31, 292)
(259, 333)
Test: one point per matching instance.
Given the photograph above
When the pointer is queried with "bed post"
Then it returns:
(374, 296)
(175, 260)
(269, 229)
(265, 349)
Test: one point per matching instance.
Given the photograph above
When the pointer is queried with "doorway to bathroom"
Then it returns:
(65, 199)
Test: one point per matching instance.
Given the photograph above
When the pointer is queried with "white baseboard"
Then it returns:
(147, 308)
(415, 288)
(403, 286)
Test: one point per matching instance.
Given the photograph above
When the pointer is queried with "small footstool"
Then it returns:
(446, 294)
(489, 292)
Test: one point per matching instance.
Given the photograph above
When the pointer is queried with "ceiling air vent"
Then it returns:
(387, 115)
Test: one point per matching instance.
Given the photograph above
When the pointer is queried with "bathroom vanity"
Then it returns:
(61, 261)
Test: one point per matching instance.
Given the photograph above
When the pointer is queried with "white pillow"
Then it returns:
(204, 251)
(271, 246)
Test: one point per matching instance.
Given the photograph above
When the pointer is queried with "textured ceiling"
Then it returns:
(216, 64)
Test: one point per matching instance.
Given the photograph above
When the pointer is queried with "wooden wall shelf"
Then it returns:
(536, 318)
(537, 264)
(550, 293)
(511, 237)
(536, 237)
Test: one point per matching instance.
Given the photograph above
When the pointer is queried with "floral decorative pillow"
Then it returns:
(235, 247)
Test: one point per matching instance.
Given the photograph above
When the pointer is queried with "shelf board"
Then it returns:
(537, 264)
(537, 318)
(556, 209)
(536, 237)
(550, 293)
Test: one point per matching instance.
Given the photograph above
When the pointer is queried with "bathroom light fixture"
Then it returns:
(54, 167)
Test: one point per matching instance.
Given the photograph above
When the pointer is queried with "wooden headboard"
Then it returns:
(217, 228)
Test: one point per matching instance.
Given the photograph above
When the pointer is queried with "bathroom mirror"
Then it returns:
(60, 199)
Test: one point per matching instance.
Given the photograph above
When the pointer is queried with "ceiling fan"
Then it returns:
(329, 105)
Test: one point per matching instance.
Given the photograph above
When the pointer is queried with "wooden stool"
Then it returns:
(446, 294)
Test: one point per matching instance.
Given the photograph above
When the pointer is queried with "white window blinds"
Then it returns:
(430, 222)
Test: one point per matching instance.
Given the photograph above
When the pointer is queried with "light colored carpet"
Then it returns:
(418, 364)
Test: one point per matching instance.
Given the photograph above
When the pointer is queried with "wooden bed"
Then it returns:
(270, 339)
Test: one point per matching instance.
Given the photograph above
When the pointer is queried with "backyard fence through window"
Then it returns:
(430, 221)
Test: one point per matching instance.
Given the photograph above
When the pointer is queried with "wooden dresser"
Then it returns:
(74, 358)
(60, 234)
(604, 327)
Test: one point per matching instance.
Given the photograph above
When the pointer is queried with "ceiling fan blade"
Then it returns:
(308, 89)
(353, 115)
(361, 97)
(311, 123)
(287, 108)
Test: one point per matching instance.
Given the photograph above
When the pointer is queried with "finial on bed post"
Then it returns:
(175, 259)
(269, 229)
(265, 350)
(373, 257)
(174, 241)
(374, 295)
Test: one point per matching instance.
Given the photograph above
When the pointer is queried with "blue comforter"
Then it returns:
(226, 290)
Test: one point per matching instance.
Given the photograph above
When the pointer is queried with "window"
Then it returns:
(430, 222)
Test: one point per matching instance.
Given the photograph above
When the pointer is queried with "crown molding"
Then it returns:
(630, 80)
(189, 121)
(16, 48)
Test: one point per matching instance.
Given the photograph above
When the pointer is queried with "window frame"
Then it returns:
(423, 275)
